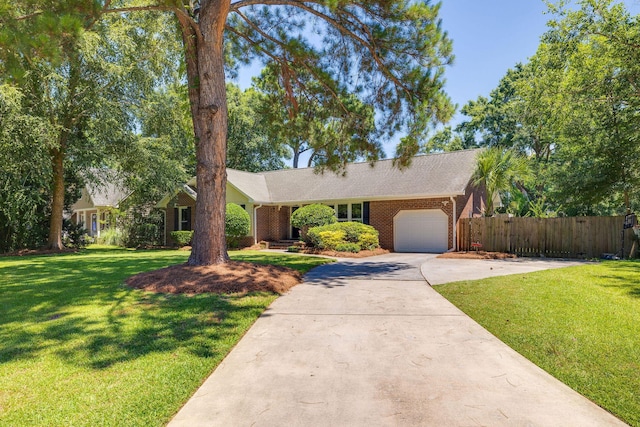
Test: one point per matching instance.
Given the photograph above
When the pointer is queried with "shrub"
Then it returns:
(112, 237)
(182, 238)
(368, 241)
(237, 224)
(348, 247)
(355, 229)
(365, 236)
(295, 249)
(144, 227)
(74, 235)
(314, 215)
(329, 239)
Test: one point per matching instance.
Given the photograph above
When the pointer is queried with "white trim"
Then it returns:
(164, 227)
(255, 224)
(455, 243)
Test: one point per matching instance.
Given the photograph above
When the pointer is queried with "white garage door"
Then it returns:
(421, 231)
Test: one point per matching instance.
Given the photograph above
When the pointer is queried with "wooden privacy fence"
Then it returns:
(571, 237)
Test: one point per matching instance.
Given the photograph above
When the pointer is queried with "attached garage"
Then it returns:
(424, 230)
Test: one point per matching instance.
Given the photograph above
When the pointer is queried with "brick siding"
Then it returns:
(273, 223)
(181, 199)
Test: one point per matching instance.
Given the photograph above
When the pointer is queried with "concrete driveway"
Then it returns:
(369, 343)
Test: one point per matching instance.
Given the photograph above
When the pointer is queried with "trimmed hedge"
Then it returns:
(314, 215)
(237, 224)
(182, 238)
(332, 236)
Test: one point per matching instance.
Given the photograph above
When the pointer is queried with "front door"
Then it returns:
(295, 232)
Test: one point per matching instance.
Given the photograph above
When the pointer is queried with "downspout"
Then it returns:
(255, 224)
(455, 225)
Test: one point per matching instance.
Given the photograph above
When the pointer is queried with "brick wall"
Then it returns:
(273, 223)
(181, 199)
(472, 204)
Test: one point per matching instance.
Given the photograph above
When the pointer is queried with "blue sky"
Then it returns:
(489, 37)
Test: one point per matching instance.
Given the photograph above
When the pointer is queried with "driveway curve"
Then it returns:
(368, 342)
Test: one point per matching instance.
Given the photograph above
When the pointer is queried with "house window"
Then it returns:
(356, 212)
(182, 218)
(343, 212)
(185, 219)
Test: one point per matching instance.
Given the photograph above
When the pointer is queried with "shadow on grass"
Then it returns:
(77, 308)
(623, 275)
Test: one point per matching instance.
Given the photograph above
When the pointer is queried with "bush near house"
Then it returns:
(144, 227)
(348, 247)
(182, 238)
(74, 235)
(112, 237)
(336, 236)
(237, 224)
(315, 215)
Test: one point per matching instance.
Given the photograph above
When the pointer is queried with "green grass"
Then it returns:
(78, 348)
(580, 324)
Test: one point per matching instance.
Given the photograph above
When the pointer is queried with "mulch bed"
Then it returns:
(476, 255)
(232, 277)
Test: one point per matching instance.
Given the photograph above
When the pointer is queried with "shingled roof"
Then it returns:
(431, 175)
(106, 188)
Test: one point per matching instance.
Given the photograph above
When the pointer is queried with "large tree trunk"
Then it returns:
(205, 71)
(57, 199)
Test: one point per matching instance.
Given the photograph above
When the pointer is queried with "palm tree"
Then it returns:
(498, 171)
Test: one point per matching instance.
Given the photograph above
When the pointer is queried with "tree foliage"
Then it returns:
(301, 116)
(498, 171)
(598, 155)
(24, 175)
(81, 74)
(249, 147)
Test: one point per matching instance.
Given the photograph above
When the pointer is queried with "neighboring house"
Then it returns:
(415, 210)
(97, 200)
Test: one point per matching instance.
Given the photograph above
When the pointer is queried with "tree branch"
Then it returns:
(178, 11)
(367, 44)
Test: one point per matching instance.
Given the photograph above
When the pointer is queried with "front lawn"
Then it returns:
(580, 324)
(77, 347)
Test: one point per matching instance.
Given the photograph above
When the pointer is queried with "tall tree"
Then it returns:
(84, 85)
(597, 164)
(24, 175)
(391, 54)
